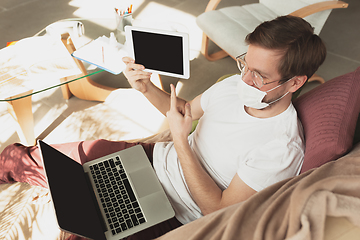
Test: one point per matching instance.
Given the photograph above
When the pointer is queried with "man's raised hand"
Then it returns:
(134, 73)
(180, 121)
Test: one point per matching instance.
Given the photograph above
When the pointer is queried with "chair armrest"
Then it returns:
(212, 4)
(318, 7)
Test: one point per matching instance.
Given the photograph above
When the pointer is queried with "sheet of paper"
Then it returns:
(103, 54)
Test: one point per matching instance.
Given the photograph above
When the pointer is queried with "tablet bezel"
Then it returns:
(185, 44)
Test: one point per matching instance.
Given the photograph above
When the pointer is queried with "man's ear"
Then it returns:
(298, 82)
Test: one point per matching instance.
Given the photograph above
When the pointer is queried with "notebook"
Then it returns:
(87, 205)
(160, 51)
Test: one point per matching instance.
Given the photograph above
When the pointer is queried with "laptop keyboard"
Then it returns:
(116, 195)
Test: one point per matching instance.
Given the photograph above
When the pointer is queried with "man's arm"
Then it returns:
(208, 196)
(140, 81)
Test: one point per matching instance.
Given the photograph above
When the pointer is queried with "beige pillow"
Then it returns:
(26, 212)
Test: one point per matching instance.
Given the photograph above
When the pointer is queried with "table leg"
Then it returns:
(85, 88)
(21, 110)
(156, 79)
(65, 88)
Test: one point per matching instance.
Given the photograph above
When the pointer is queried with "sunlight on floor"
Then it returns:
(58, 120)
(174, 20)
(93, 9)
(153, 15)
(101, 9)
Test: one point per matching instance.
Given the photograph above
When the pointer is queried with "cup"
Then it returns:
(121, 22)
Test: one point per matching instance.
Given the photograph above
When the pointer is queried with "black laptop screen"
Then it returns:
(73, 201)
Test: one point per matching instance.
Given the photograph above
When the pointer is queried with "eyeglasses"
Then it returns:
(256, 77)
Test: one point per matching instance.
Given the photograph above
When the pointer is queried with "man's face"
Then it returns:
(265, 62)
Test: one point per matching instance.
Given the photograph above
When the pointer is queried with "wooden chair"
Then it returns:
(219, 25)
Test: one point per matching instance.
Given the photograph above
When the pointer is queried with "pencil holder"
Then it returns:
(121, 22)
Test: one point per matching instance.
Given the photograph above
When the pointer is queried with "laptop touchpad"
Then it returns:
(145, 182)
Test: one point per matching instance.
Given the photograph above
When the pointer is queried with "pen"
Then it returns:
(103, 57)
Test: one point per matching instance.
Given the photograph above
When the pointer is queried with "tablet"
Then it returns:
(160, 51)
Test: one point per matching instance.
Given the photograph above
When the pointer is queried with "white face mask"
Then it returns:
(252, 97)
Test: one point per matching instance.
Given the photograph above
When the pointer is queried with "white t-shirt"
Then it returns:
(228, 141)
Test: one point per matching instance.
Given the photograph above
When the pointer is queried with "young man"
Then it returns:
(248, 136)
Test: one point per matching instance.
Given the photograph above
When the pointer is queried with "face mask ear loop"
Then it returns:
(279, 85)
(278, 98)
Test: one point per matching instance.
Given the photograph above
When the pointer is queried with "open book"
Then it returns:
(104, 53)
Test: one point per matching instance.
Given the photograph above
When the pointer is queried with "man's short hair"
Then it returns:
(303, 51)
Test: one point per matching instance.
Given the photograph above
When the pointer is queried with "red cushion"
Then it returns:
(329, 114)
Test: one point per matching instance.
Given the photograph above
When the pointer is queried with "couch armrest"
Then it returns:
(318, 7)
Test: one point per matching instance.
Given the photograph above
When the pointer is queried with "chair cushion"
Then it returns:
(284, 7)
(228, 27)
(329, 114)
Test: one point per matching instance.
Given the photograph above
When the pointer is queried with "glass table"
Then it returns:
(43, 62)
(37, 64)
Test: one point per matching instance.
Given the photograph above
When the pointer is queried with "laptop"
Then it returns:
(108, 198)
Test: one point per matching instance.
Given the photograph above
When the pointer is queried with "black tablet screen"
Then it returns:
(158, 51)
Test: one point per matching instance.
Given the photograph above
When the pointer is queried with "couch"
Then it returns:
(323, 202)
